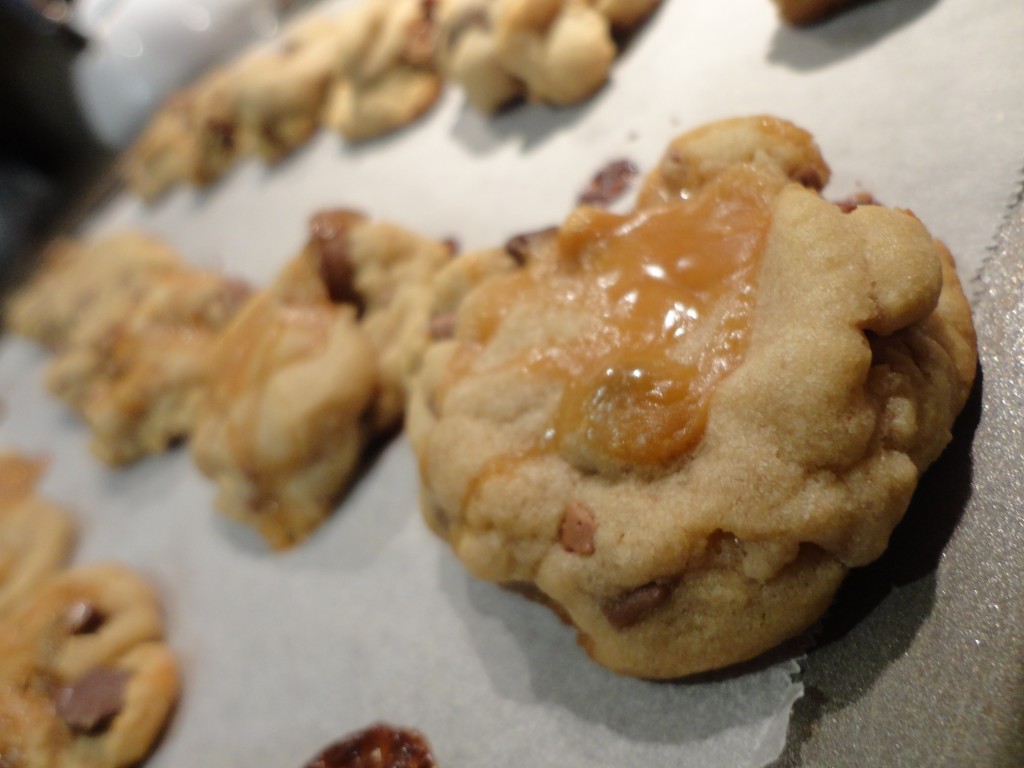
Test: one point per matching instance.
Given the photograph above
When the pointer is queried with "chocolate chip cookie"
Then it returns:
(312, 370)
(681, 427)
(554, 51)
(85, 679)
(385, 76)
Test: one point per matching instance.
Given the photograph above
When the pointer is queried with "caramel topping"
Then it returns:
(657, 306)
(673, 286)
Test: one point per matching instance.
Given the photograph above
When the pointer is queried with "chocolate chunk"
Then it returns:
(222, 133)
(854, 201)
(810, 177)
(328, 231)
(83, 618)
(610, 183)
(379, 746)
(578, 527)
(452, 244)
(519, 247)
(89, 703)
(632, 607)
(442, 326)
(419, 47)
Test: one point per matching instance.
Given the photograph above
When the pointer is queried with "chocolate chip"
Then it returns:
(83, 618)
(419, 46)
(442, 326)
(452, 244)
(519, 247)
(379, 746)
(223, 133)
(329, 230)
(632, 607)
(609, 184)
(810, 177)
(89, 703)
(854, 201)
(577, 531)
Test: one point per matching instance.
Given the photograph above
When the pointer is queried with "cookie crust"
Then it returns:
(859, 353)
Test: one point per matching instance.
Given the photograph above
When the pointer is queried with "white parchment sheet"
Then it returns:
(919, 102)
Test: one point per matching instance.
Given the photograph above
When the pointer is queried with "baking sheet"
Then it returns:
(372, 619)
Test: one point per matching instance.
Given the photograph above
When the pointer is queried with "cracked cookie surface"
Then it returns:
(681, 427)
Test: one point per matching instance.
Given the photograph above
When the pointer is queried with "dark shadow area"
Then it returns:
(48, 156)
(870, 625)
(530, 655)
(843, 35)
(527, 124)
(917, 543)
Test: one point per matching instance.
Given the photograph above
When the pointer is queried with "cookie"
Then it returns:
(137, 381)
(84, 677)
(159, 159)
(681, 427)
(79, 287)
(801, 12)
(283, 422)
(215, 139)
(387, 271)
(281, 92)
(312, 370)
(558, 52)
(36, 536)
(385, 76)
(194, 137)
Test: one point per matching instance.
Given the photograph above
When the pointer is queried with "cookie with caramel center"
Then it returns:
(680, 427)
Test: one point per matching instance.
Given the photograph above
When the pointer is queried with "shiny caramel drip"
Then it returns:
(266, 337)
(672, 286)
(638, 392)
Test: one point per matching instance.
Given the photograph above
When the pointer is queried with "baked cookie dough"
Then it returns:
(281, 92)
(132, 326)
(801, 12)
(554, 51)
(681, 427)
(312, 370)
(85, 679)
(160, 157)
(385, 76)
(137, 382)
(193, 137)
(80, 287)
(36, 536)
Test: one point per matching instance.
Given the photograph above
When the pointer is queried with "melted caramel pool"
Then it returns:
(670, 290)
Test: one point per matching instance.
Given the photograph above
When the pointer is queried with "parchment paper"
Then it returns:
(917, 101)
